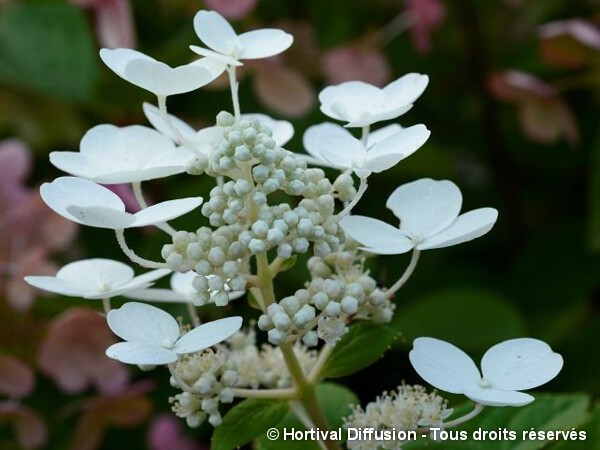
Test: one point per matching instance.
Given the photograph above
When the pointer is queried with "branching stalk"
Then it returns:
(406, 275)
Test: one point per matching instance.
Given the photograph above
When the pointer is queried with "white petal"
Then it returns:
(155, 118)
(216, 66)
(425, 206)
(520, 364)
(182, 282)
(138, 283)
(111, 155)
(116, 59)
(466, 227)
(282, 130)
(339, 147)
(101, 217)
(349, 101)
(314, 161)
(97, 274)
(264, 43)
(138, 353)
(311, 137)
(391, 150)
(405, 90)
(490, 396)
(382, 133)
(215, 55)
(157, 295)
(377, 236)
(207, 335)
(67, 191)
(163, 80)
(443, 365)
(143, 324)
(165, 211)
(378, 114)
(56, 285)
(215, 31)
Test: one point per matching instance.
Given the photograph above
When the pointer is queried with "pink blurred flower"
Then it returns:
(29, 231)
(231, 9)
(73, 353)
(16, 378)
(570, 43)
(113, 22)
(426, 16)
(355, 62)
(282, 89)
(543, 115)
(30, 430)
(165, 433)
(125, 193)
(125, 409)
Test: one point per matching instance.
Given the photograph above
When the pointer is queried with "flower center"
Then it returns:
(484, 383)
(105, 287)
(168, 344)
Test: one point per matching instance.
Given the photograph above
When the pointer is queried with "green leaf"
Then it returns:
(246, 421)
(364, 344)
(592, 435)
(48, 48)
(335, 401)
(593, 232)
(457, 315)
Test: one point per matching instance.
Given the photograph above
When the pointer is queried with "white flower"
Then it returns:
(153, 336)
(224, 44)
(157, 77)
(181, 290)
(311, 138)
(95, 278)
(361, 104)
(88, 203)
(428, 212)
(208, 138)
(111, 155)
(343, 151)
(507, 367)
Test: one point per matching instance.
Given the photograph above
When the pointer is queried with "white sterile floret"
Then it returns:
(153, 337)
(226, 45)
(311, 139)
(112, 155)
(95, 279)
(429, 218)
(361, 104)
(182, 290)
(88, 203)
(343, 151)
(157, 77)
(508, 367)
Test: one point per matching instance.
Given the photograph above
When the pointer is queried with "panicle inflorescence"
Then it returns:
(406, 409)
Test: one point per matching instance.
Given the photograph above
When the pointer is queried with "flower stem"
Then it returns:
(361, 191)
(181, 139)
(139, 196)
(365, 134)
(233, 84)
(288, 393)
(460, 420)
(406, 275)
(193, 314)
(106, 305)
(120, 233)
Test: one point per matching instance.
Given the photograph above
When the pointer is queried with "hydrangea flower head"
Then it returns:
(95, 279)
(153, 337)
(226, 45)
(360, 104)
(507, 368)
(429, 218)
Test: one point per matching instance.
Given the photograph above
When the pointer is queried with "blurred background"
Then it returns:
(513, 109)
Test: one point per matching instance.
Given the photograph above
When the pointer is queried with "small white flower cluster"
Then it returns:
(406, 409)
(264, 366)
(339, 291)
(211, 375)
